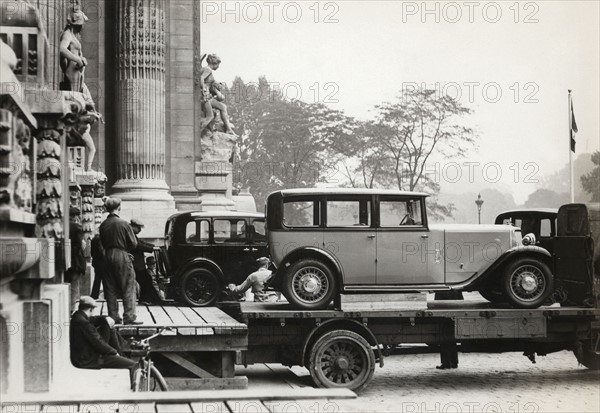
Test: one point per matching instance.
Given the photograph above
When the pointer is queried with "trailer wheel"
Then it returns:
(587, 357)
(527, 283)
(198, 287)
(309, 284)
(341, 358)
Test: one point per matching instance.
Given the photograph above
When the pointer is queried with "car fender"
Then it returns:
(312, 252)
(512, 253)
(200, 262)
(337, 324)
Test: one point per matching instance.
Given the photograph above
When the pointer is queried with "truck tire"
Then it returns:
(587, 357)
(309, 284)
(198, 287)
(341, 358)
(527, 283)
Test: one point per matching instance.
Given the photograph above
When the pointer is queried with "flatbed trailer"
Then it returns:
(341, 348)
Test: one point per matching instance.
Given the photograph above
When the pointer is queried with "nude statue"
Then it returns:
(72, 64)
(212, 95)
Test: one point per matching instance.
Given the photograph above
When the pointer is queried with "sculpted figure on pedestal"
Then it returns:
(212, 97)
(73, 63)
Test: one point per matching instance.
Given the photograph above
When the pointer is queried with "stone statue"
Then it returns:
(72, 64)
(212, 98)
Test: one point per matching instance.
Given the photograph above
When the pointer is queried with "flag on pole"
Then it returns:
(573, 128)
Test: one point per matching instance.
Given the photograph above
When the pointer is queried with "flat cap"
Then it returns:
(112, 203)
(87, 302)
(136, 222)
(150, 260)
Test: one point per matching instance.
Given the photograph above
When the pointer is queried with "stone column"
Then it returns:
(140, 149)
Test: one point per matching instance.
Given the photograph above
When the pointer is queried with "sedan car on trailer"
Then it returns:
(205, 251)
(331, 241)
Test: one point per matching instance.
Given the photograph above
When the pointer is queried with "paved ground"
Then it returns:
(483, 382)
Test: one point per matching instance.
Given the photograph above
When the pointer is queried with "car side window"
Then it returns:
(395, 213)
(259, 231)
(300, 214)
(348, 213)
(545, 228)
(222, 229)
(197, 231)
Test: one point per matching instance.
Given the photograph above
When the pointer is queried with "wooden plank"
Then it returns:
(387, 297)
(160, 316)
(216, 383)
(143, 314)
(173, 408)
(137, 408)
(188, 365)
(301, 406)
(60, 408)
(99, 408)
(178, 396)
(382, 305)
(179, 318)
(199, 323)
(245, 406)
(221, 322)
(212, 407)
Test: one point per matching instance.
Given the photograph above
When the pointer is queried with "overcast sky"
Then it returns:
(356, 54)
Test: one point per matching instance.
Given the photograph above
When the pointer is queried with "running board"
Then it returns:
(416, 288)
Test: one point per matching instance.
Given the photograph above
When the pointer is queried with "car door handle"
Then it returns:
(370, 236)
(246, 249)
(254, 249)
(424, 236)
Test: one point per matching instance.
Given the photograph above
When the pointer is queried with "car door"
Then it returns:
(258, 238)
(192, 241)
(402, 243)
(349, 234)
(230, 248)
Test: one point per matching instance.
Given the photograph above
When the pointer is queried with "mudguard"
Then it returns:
(312, 252)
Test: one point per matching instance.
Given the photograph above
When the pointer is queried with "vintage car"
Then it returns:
(325, 242)
(205, 251)
(541, 222)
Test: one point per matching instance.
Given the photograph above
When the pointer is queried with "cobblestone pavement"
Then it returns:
(482, 383)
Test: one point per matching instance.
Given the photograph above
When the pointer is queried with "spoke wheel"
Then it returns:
(527, 283)
(199, 287)
(309, 284)
(342, 359)
(155, 382)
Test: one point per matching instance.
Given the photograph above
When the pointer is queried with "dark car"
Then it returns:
(205, 251)
(540, 222)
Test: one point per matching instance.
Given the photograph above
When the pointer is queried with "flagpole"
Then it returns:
(571, 180)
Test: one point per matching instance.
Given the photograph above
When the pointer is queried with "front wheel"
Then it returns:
(199, 287)
(156, 382)
(341, 358)
(527, 283)
(309, 284)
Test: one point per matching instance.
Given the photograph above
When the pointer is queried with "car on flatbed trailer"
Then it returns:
(332, 241)
(341, 345)
(205, 251)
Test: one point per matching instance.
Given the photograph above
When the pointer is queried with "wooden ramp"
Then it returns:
(224, 401)
(202, 342)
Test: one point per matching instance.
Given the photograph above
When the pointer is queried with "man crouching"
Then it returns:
(95, 344)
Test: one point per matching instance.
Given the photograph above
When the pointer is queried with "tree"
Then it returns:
(591, 181)
(283, 144)
(546, 198)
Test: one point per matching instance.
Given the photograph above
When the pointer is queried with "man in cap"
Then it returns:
(147, 292)
(118, 241)
(78, 263)
(94, 342)
(257, 281)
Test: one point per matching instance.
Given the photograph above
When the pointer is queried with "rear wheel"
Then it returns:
(587, 356)
(527, 283)
(309, 284)
(199, 287)
(341, 358)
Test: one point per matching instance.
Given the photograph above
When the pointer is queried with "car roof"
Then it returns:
(346, 191)
(219, 214)
(528, 211)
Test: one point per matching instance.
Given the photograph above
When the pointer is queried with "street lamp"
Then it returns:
(479, 203)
